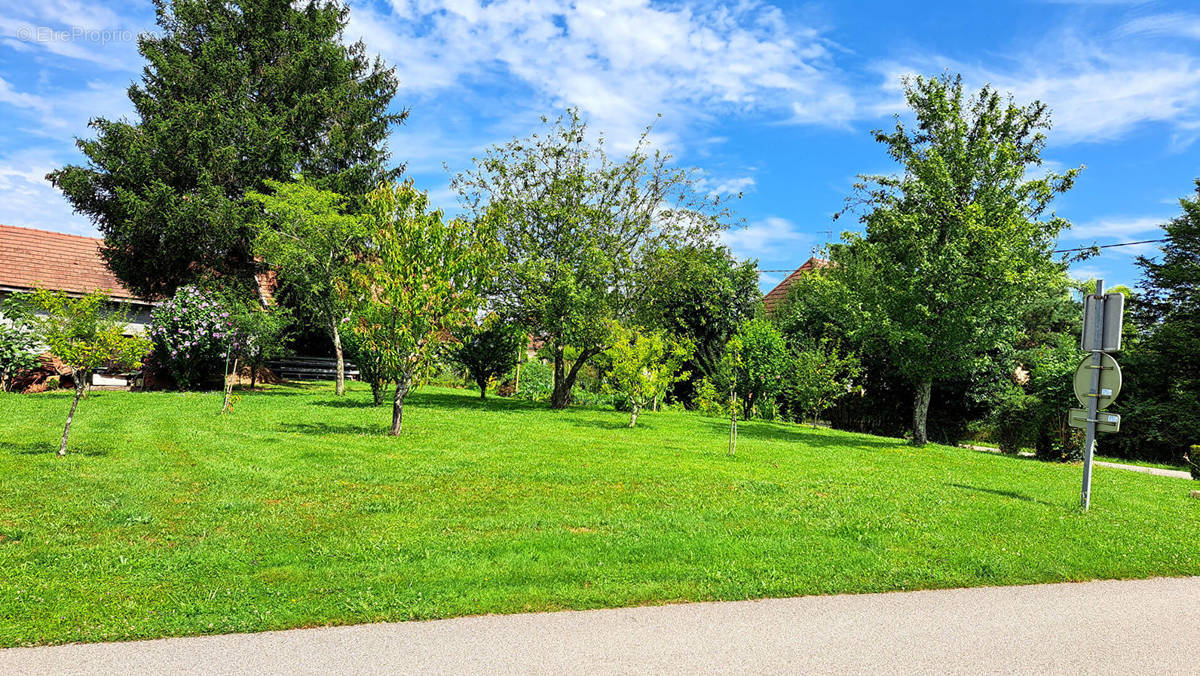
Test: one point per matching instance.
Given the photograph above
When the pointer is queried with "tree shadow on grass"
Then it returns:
(437, 400)
(323, 429)
(1002, 493)
(809, 436)
(51, 448)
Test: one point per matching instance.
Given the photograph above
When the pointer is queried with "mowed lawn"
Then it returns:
(294, 510)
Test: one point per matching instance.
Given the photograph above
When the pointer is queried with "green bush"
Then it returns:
(710, 401)
(536, 383)
(1193, 460)
(52, 383)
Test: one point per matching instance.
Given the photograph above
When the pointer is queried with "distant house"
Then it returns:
(71, 263)
(777, 295)
(30, 259)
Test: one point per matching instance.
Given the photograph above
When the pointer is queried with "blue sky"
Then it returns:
(775, 100)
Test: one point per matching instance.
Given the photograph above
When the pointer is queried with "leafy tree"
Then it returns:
(960, 239)
(697, 293)
(643, 365)
(263, 335)
(755, 365)
(18, 344)
(420, 279)
(819, 377)
(310, 239)
(85, 335)
(576, 223)
(489, 351)
(233, 93)
(1161, 393)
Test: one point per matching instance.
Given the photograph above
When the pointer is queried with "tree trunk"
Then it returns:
(402, 388)
(482, 389)
(921, 412)
(253, 376)
(560, 397)
(229, 377)
(633, 414)
(79, 388)
(340, 389)
(564, 379)
(377, 391)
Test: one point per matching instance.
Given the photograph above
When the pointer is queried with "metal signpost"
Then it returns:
(1098, 378)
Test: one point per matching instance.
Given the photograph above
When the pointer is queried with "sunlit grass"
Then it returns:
(295, 510)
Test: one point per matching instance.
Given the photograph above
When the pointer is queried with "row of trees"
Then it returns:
(260, 142)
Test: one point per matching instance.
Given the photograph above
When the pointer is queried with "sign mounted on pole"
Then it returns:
(1098, 378)
(1105, 422)
(1110, 381)
(1112, 311)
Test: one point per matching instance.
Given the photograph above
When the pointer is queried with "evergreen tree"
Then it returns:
(232, 94)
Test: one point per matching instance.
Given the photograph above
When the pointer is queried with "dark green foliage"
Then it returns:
(1161, 395)
(701, 293)
(233, 93)
(489, 350)
(1193, 460)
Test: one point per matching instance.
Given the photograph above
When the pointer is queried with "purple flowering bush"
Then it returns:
(193, 332)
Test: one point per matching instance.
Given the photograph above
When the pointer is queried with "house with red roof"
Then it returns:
(777, 295)
(32, 258)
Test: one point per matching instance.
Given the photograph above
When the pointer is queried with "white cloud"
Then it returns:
(29, 199)
(620, 61)
(1177, 24)
(1096, 91)
(772, 236)
(1118, 229)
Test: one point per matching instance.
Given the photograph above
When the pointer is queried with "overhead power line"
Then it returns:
(1082, 248)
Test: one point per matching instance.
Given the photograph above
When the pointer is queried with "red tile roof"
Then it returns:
(30, 258)
(776, 296)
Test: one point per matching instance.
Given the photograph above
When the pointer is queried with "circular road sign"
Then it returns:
(1110, 381)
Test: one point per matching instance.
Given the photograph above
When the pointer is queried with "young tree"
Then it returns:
(643, 365)
(488, 351)
(960, 239)
(85, 336)
(820, 376)
(232, 93)
(576, 223)
(755, 364)
(698, 293)
(262, 336)
(310, 240)
(420, 279)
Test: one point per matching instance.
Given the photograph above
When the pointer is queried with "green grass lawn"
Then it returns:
(294, 510)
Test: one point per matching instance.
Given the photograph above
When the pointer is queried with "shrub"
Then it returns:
(192, 333)
(53, 383)
(709, 400)
(537, 382)
(1193, 461)
(18, 350)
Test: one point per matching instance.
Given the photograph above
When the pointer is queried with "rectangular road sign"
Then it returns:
(1105, 422)
(1114, 312)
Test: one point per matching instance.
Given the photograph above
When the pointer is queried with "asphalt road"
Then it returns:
(1131, 627)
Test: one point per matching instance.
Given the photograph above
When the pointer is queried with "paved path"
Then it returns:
(1133, 627)
(1157, 471)
(1176, 473)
